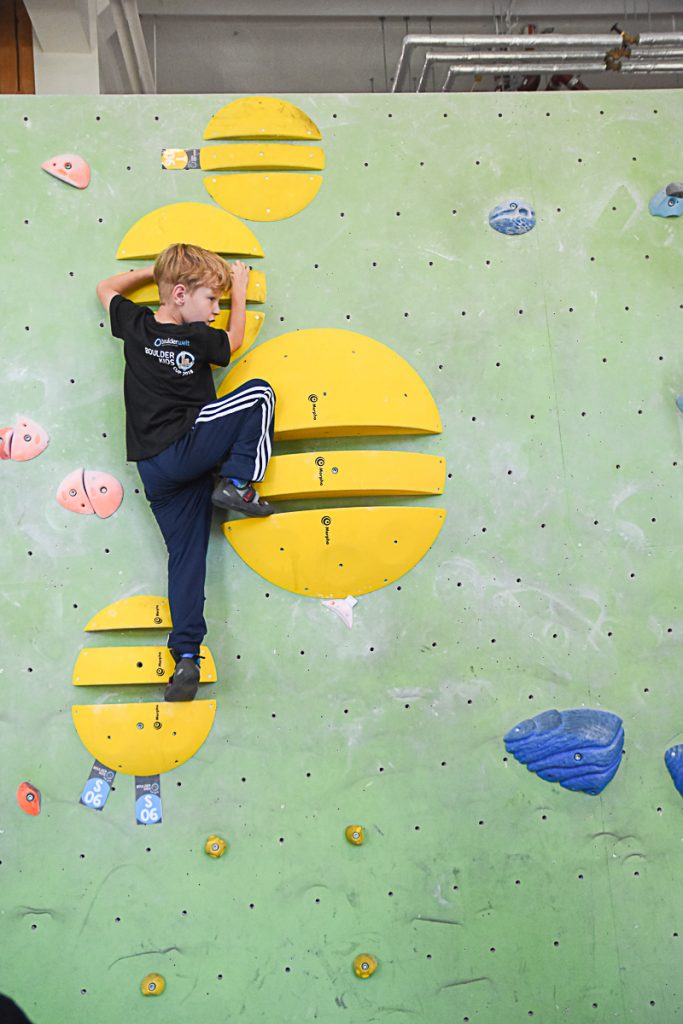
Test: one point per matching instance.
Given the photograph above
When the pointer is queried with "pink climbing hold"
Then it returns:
(90, 492)
(71, 494)
(104, 491)
(70, 168)
(24, 441)
(28, 440)
(5, 442)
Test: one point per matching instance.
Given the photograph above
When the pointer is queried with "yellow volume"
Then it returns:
(143, 739)
(336, 551)
(129, 666)
(334, 383)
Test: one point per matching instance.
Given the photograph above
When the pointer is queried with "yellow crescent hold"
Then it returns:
(264, 197)
(346, 474)
(335, 383)
(143, 739)
(143, 611)
(122, 666)
(336, 551)
(261, 117)
(193, 223)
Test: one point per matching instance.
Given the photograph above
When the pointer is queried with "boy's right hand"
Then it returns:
(239, 276)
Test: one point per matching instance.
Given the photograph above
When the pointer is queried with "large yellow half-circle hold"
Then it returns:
(264, 197)
(143, 739)
(194, 223)
(350, 474)
(261, 117)
(336, 551)
(335, 383)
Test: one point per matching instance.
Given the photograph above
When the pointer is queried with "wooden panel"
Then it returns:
(16, 48)
(27, 80)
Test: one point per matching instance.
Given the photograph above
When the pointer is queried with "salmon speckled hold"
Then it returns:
(24, 441)
(89, 492)
(69, 167)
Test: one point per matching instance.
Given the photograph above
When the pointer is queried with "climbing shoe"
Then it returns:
(184, 682)
(244, 499)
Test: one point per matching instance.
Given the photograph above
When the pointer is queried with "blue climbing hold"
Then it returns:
(514, 217)
(679, 403)
(668, 202)
(581, 748)
(673, 759)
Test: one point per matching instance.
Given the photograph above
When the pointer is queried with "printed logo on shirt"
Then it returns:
(180, 362)
(170, 341)
(184, 362)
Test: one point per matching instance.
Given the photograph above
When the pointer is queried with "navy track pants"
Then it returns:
(232, 436)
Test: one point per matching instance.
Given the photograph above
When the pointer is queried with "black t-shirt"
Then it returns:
(168, 375)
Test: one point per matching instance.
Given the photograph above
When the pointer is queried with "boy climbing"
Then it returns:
(178, 433)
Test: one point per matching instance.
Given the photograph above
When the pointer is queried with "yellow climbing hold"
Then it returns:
(263, 156)
(364, 965)
(148, 294)
(144, 739)
(336, 551)
(194, 223)
(261, 117)
(120, 666)
(264, 197)
(351, 474)
(138, 612)
(152, 985)
(335, 383)
(215, 846)
(354, 834)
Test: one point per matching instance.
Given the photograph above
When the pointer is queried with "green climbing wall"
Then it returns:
(486, 894)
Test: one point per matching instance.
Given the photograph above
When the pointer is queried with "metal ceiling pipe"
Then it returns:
(448, 56)
(550, 68)
(523, 42)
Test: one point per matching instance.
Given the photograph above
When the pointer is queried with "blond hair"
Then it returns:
(192, 266)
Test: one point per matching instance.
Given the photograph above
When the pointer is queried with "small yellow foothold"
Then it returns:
(354, 834)
(152, 985)
(215, 846)
(364, 965)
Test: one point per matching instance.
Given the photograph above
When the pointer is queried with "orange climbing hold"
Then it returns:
(28, 798)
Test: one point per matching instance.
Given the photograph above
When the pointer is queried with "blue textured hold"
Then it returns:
(515, 217)
(581, 748)
(666, 204)
(674, 762)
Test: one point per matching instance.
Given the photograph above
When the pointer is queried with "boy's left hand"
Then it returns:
(239, 276)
